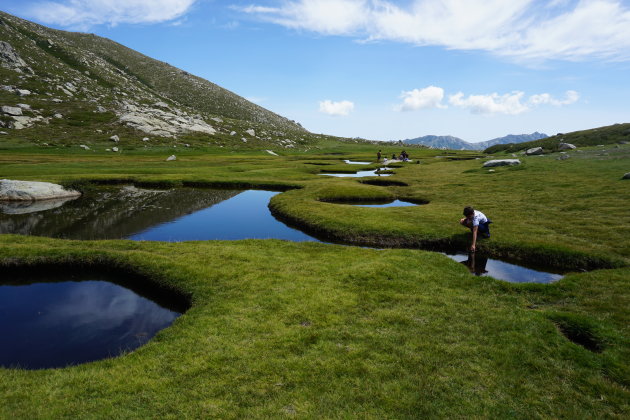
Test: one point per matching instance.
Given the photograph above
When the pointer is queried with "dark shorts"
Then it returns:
(484, 227)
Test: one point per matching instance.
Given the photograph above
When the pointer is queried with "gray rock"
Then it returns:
(563, 157)
(271, 152)
(9, 58)
(4, 133)
(566, 146)
(534, 151)
(115, 138)
(12, 190)
(171, 158)
(114, 149)
(57, 100)
(626, 176)
(145, 139)
(244, 140)
(83, 146)
(25, 107)
(251, 132)
(11, 110)
(58, 116)
(233, 133)
(501, 162)
(23, 92)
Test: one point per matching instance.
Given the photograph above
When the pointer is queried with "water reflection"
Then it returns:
(245, 216)
(55, 324)
(25, 207)
(113, 212)
(361, 174)
(350, 162)
(480, 265)
(394, 203)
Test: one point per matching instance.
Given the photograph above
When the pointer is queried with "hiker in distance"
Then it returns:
(378, 156)
(478, 223)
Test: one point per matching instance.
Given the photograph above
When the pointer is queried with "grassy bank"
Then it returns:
(313, 330)
(281, 329)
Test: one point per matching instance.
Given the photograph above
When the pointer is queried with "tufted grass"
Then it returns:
(280, 329)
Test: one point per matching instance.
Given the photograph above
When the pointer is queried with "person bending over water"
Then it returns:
(477, 222)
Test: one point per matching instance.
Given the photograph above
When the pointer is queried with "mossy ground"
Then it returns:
(314, 330)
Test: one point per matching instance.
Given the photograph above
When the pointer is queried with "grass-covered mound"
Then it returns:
(279, 329)
(603, 135)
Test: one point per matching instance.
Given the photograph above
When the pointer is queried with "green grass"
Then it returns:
(279, 329)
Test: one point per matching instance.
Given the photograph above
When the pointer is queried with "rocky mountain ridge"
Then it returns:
(455, 143)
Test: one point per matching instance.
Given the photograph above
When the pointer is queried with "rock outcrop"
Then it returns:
(566, 146)
(12, 190)
(534, 151)
(501, 162)
(10, 59)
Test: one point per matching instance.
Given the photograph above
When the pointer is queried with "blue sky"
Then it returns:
(384, 69)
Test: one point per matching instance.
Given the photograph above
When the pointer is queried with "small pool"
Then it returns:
(351, 162)
(52, 321)
(360, 174)
(481, 265)
(395, 203)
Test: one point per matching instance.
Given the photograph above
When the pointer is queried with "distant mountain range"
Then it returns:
(455, 143)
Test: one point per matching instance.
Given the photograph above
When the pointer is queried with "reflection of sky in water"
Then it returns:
(56, 324)
(395, 203)
(351, 162)
(245, 216)
(506, 271)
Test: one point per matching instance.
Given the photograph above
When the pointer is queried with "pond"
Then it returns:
(351, 162)
(186, 214)
(181, 214)
(56, 320)
(394, 203)
(480, 265)
(360, 174)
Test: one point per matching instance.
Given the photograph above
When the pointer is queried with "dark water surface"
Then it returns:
(49, 322)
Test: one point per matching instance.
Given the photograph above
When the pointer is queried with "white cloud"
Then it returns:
(342, 108)
(522, 29)
(510, 103)
(570, 97)
(429, 97)
(85, 13)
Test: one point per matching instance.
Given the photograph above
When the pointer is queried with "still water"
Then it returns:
(481, 265)
(55, 321)
(186, 214)
(361, 174)
(395, 203)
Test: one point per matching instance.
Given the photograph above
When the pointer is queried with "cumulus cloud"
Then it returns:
(523, 29)
(570, 97)
(429, 97)
(513, 103)
(341, 108)
(86, 13)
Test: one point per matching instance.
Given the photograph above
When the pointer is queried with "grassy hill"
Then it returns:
(603, 135)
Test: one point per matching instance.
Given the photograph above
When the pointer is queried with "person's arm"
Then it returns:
(473, 246)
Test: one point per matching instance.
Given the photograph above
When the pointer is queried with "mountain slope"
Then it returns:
(440, 142)
(617, 133)
(74, 85)
(510, 138)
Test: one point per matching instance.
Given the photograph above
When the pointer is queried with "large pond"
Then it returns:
(191, 214)
(181, 214)
(50, 321)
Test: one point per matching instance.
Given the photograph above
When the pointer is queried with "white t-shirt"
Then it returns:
(479, 217)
